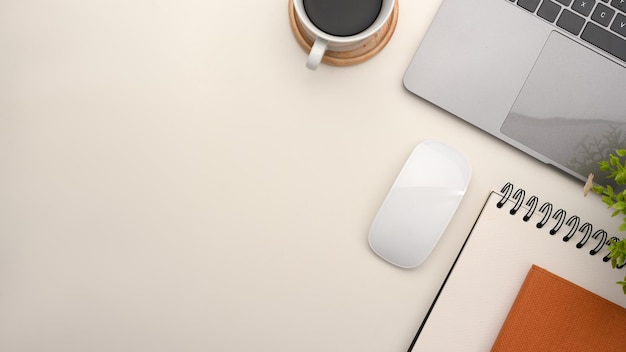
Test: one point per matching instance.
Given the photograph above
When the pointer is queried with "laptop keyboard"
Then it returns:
(601, 23)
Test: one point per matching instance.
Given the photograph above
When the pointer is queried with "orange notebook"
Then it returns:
(553, 314)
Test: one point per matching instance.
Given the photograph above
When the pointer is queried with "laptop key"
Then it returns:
(549, 10)
(571, 22)
(619, 4)
(530, 5)
(619, 25)
(603, 14)
(583, 7)
(565, 2)
(605, 40)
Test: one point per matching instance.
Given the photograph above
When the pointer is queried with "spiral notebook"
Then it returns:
(513, 232)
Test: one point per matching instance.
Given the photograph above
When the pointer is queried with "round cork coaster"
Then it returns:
(364, 52)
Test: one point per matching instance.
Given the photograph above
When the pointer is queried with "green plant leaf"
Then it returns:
(623, 283)
(613, 160)
(617, 172)
(613, 263)
(620, 205)
(617, 251)
(604, 165)
(620, 178)
(597, 189)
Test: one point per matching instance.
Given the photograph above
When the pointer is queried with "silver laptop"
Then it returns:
(546, 76)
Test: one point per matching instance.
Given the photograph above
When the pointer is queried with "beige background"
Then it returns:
(173, 179)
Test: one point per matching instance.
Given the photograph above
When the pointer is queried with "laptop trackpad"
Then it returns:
(572, 107)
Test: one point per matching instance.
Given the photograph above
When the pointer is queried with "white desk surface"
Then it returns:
(174, 179)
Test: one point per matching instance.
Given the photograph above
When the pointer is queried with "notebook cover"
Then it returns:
(553, 314)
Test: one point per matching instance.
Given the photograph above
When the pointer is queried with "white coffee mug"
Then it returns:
(323, 41)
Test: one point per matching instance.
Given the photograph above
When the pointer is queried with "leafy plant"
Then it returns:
(591, 150)
(615, 166)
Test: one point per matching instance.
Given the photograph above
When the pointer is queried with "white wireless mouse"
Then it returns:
(420, 204)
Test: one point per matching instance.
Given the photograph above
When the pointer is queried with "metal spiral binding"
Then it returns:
(532, 204)
(573, 221)
(546, 210)
(559, 216)
(586, 229)
(519, 200)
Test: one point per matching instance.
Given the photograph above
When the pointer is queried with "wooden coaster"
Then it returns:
(352, 57)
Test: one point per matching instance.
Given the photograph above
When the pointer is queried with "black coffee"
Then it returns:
(342, 17)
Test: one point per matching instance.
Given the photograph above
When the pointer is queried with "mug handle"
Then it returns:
(317, 52)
